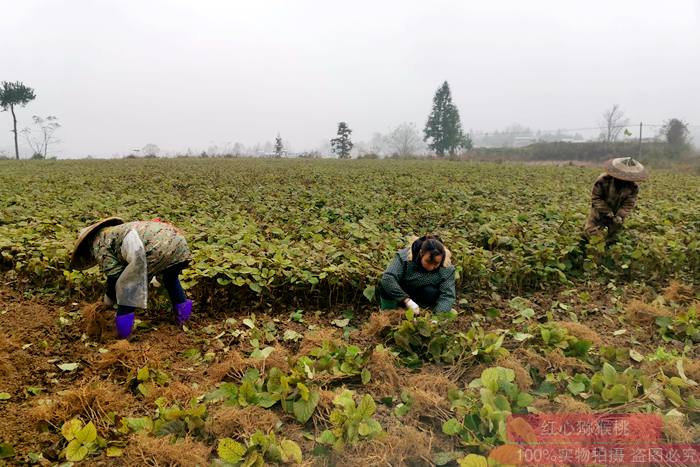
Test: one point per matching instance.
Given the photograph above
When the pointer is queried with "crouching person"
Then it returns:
(420, 276)
(613, 197)
(130, 254)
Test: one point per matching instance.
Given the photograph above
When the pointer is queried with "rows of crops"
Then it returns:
(324, 230)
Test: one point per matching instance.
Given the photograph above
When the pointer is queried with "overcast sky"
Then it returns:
(121, 74)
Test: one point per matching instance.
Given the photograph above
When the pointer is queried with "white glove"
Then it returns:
(411, 305)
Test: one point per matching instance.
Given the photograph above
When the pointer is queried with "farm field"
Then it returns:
(288, 359)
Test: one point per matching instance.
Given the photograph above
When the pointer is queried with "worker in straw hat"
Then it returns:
(129, 254)
(614, 196)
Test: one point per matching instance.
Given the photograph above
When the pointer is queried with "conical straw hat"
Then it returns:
(81, 257)
(626, 168)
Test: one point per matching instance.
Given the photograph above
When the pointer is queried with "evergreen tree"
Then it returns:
(444, 128)
(279, 147)
(342, 144)
(676, 133)
(11, 95)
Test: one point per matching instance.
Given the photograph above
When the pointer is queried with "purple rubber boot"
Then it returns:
(183, 311)
(125, 323)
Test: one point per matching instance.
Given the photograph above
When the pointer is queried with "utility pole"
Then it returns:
(640, 141)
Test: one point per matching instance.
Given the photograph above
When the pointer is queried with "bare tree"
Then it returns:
(613, 122)
(42, 137)
(404, 140)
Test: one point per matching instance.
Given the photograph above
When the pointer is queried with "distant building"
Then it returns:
(522, 141)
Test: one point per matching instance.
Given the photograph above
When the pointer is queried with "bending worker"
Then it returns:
(614, 196)
(129, 255)
(420, 276)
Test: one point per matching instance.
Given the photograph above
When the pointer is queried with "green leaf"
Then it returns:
(365, 375)
(303, 410)
(521, 336)
(636, 356)
(258, 354)
(139, 424)
(493, 378)
(249, 322)
(576, 387)
(327, 437)
(70, 428)
(4, 396)
(524, 399)
(341, 323)
(367, 407)
(369, 292)
(609, 373)
(451, 427)
(291, 335)
(6, 451)
(230, 451)
(86, 434)
(69, 366)
(291, 452)
(363, 429)
(75, 451)
(114, 452)
(473, 460)
(618, 394)
(401, 410)
(445, 457)
(144, 374)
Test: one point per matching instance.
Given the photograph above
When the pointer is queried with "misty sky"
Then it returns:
(121, 74)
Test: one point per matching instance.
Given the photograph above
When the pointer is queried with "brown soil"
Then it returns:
(36, 337)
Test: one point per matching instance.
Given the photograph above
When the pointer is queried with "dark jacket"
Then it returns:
(610, 197)
(405, 277)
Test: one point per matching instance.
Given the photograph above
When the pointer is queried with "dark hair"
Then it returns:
(428, 244)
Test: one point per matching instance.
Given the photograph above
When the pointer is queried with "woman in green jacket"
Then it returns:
(420, 276)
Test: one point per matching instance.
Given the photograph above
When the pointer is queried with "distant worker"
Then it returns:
(614, 196)
(129, 255)
(419, 276)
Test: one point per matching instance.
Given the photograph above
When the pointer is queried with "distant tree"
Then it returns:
(42, 137)
(11, 95)
(238, 149)
(378, 144)
(404, 140)
(613, 122)
(150, 150)
(444, 128)
(279, 146)
(676, 133)
(342, 144)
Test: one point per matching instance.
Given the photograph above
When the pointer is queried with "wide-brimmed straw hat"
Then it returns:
(82, 257)
(626, 168)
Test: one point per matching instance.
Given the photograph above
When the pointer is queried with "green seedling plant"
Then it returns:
(482, 422)
(260, 449)
(276, 387)
(423, 338)
(684, 326)
(610, 387)
(143, 380)
(554, 336)
(82, 440)
(177, 421)
(351, 422)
